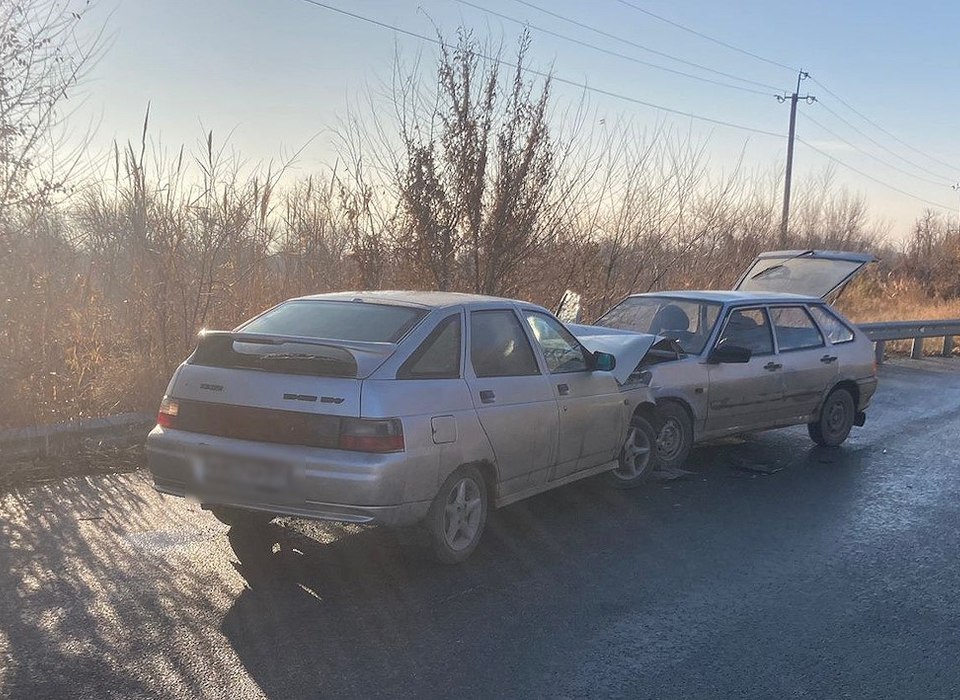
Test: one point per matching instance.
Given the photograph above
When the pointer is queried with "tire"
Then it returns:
(836, 419)
(638, 457)
(240, 517)
(675, 439)
(458, 515)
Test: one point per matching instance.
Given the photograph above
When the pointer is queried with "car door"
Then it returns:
(808, 368)
(745, 396)
(514, 400)
(591, 406)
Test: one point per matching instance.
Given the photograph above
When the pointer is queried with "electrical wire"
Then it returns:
(952, 168)
(672, 23)
(871, 177)
(883, 162)
(637, 45)
(545, 75)
(609, 52)
(880, 145)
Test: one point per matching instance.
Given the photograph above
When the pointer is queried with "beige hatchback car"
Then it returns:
(768, 354)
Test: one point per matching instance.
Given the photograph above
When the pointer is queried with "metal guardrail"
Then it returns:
(916, 331)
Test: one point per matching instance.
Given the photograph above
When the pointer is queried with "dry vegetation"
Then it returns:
(474, 183)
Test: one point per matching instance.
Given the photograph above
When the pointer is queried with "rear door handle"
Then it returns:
(827, 359)
(487, 396)
(563, 389)
(772, 366)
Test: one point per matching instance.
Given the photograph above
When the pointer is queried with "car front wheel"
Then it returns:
(638, 457)
(458, 515)
(675, 439)
(836, 419)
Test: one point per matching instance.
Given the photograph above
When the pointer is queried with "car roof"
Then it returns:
(731, 297)
(431, 300)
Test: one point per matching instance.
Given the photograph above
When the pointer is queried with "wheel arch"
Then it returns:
(847, 384)
(488, 470)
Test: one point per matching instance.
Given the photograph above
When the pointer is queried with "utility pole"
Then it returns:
(794, 98)
(956, 188)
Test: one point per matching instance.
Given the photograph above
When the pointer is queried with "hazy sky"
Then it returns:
(277, 72)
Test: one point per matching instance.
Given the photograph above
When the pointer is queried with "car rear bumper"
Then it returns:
(866, 389)
(385, 489)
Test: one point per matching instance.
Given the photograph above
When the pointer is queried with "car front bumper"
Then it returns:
(385, 489)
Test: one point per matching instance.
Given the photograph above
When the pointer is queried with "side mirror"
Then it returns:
(728, 353)
(604, 362)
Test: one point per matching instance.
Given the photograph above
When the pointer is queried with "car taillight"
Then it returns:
(167, 415)
(371, 435)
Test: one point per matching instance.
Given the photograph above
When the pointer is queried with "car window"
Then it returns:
(749, 328)
(795, 329)
(438, 357)
(837, 331)
(560, 349)
(337, 320)
(689, 322)
(498, 345)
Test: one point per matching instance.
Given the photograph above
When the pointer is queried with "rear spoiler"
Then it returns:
(340, 358)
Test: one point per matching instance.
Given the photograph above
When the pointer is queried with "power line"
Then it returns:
(882, 146)
(610, 52)
(637, 45)
(871, 177)
(870, 155)
(545, 75)
(745, 52)
(872, 123)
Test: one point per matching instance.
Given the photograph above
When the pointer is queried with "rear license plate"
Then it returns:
(240, 473)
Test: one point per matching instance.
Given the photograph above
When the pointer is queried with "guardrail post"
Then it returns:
(947, 345)
(916, 352)
(878, 351)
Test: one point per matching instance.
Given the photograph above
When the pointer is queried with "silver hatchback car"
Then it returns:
(770, 353)
(399, 408)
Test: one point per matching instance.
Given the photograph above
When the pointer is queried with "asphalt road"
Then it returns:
(776, 569)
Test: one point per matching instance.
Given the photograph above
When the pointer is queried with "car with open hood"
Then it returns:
(770, 353)
(399, 408)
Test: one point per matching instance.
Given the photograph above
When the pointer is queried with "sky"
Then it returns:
(278, 74)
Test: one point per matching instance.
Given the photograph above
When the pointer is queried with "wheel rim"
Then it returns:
(462, 513)
(635, 457)
(670, 439)
(836, 418)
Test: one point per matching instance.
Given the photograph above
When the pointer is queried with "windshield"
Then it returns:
(687, 321)
(806, 275)
(337, 320)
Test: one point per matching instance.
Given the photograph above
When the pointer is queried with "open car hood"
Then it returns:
(814, 273)
(628, 347)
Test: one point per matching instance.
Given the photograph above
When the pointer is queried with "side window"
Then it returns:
(560, 349)
(498, 345)
(438, 357)
(795, 329)
(836, 330)
(749, 328)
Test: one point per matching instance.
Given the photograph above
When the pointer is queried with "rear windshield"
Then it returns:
(337, 320)
(815, 277)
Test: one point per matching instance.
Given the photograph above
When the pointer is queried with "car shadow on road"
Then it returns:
(360, 609)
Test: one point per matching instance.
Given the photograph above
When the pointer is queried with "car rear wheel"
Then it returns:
(458, 515)
(836, 419)
(240, 517)
(638, 457)
(675, 438)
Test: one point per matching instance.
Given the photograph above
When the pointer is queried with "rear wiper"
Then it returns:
(766, 270)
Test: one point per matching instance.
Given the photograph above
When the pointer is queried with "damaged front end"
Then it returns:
(635, 352)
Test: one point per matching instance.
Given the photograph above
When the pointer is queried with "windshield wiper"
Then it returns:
(766, 270)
